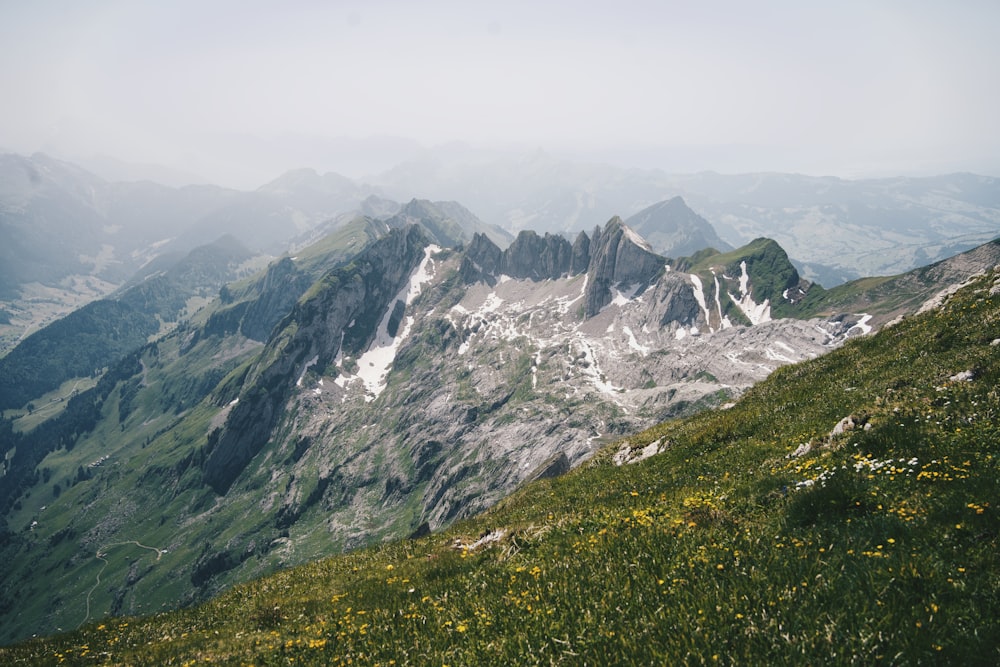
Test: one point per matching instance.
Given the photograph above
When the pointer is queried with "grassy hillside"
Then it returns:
(76, 346)
(890, 296)
(878, 545)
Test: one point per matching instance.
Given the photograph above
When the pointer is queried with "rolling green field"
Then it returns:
(755, 536)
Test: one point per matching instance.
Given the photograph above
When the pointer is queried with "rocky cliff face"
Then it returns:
(281, 287)
(482, 261)
(619, 258)
(537, 257)
(616, 258)
(338, 313)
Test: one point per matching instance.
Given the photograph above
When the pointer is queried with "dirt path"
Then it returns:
(100, 556)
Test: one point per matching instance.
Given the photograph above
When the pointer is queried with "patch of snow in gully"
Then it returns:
(373, 365)
(755, 312)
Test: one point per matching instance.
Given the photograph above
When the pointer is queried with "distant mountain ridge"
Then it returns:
(834, 229)
(68, 236)
(674, 230)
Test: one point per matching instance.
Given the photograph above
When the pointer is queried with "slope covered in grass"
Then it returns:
(732, 545)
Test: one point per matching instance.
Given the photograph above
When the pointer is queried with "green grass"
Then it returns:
(48, 405)
(879, 546)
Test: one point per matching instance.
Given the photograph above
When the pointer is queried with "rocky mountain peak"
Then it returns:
(618, 257)
(581, 254)
(674, 230)
(615, 257)
(446, 223)
(530, 256)
(482, 261)
(419, 208)
(538, 257)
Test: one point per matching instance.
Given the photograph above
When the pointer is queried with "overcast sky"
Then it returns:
(851, 88)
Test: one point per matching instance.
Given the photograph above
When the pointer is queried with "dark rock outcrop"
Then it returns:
(530, 256)
(282, 286)
(537, 257)
(681, 306)
(482, 261)
(581, 254)
(618, 257)
(615, 255)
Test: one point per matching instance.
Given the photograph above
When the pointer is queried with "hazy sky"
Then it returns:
(851, 88)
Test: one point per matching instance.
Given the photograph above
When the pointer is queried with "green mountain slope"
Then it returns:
(142, 428)
(756, 535)
(102, 332)
(888, 297)
(746, 285)
(78, 345)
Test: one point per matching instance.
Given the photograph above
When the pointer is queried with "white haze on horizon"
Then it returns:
(239, 91)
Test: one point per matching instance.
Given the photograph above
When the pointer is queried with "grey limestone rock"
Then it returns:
(618, 256)
(342, 313)
(537, 257)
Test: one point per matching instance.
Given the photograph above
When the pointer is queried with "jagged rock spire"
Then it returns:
(617, 256)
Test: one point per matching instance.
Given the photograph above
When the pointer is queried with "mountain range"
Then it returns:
(840, 510)
(68, 237)
(834, 229)
(395, 376)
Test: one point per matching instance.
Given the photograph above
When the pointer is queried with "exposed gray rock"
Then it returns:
(674, 295)
(482, 261)
(627, 455)
(618, 257)
(849, 423)
(964, 376)
(801, 450)
(282, 286)
(314, 332)
(530, 256)
(537, 257)
(581, 254)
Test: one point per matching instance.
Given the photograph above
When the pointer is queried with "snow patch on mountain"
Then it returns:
(374, 364)
(591, 369)
(621, 298)
(755, 312)
(724, 322)
(771, 353)
(699, 295)
(633, 343)
(302, 375)
(863, 325)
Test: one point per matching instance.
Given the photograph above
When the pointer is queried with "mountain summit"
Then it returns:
(674, 230)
